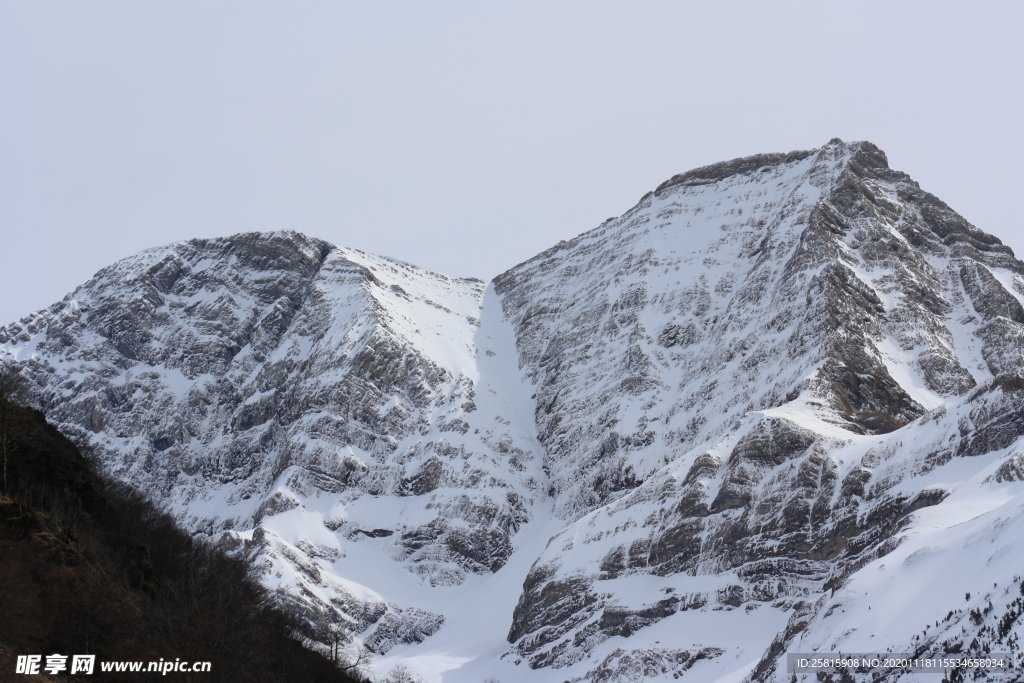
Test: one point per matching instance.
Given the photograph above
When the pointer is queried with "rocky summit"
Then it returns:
(776, 407)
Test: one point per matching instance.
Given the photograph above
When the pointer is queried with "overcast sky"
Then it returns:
(464, 137)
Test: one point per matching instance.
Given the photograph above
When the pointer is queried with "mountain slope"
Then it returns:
(89, 567)
(712, 416)
(290, 398)
(728, 339)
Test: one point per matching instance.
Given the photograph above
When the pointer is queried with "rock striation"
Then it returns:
(764, 410)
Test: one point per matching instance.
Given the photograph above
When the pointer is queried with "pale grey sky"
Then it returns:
(464, 136)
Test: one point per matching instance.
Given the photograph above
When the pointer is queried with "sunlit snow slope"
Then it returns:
(774, 407)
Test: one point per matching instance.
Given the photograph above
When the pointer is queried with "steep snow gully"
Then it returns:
(776, 406)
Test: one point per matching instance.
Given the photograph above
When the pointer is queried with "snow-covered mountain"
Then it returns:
(774, 407)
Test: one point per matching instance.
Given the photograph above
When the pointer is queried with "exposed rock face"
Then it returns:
(734, 303)
(621, 666)
(237, 379)
(692, 439)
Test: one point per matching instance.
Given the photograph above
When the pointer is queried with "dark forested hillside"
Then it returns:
(87, 567)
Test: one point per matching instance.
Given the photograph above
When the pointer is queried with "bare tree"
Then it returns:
(13, 389)
(400, 674)
(359, 659)
(348, 654)
(337, 637)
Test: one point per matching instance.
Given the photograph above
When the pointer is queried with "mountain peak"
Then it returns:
(705, 175)
(864, 152)
(732, 404)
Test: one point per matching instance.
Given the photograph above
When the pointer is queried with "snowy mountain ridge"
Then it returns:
(764, 410)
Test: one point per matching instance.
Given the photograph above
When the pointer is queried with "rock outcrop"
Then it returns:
(749, 416)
